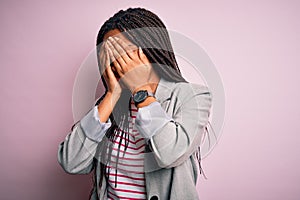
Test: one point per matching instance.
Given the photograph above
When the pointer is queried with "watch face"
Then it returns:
(140, 96)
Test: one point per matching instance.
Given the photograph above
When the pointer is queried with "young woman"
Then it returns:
(142, 137)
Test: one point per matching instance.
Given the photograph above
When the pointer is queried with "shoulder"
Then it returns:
(188, 89)
(191, 96)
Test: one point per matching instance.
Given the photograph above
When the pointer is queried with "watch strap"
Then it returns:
(149, 94)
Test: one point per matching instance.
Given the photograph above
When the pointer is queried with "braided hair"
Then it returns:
(147, 38)
(157, 47)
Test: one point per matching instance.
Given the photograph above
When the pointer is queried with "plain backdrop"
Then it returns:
(254, 45)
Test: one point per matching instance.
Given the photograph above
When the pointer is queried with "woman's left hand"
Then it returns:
(130, 63)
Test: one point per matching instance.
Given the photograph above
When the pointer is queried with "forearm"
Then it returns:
(174, 136)
(178, 139)
(107, 105)
(76, 152)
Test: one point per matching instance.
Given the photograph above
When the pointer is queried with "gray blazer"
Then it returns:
(171, 168)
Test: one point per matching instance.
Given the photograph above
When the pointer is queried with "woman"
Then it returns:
(143, 135)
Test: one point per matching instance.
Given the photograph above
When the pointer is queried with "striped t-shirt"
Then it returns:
(130, 168)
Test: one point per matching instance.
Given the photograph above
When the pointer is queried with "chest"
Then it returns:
(125, 170)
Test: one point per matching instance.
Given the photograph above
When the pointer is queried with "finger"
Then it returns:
(114, 70)
(102, 61)
(128, 48)
(142, 56)
(106, 64)
(115, 63)
(121, 51)
(116, 53)
(111, 56)
(107, 59)
(110, 73)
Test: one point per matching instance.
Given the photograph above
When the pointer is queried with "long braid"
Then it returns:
(161, 54)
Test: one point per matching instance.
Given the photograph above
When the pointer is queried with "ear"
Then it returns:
(142, 56)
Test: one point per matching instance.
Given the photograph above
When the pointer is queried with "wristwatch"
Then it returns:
(140, 96)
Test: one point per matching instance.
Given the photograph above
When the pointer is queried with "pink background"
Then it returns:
(254, 45)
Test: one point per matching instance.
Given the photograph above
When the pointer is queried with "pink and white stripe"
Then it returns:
(130, 169)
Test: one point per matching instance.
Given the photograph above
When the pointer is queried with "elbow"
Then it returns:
(166, 158)
(67, 168)
(174, 151)
(64, 163)
(70, 166)
(164, 163)
(171, 161)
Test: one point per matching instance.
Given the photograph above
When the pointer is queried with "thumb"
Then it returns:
(142, 56)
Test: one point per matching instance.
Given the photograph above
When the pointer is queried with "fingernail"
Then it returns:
(141, 50)
(117, 38)
(110, 38)
(109, 42)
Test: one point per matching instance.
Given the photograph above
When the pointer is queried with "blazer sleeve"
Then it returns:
(179, 136)
(76, 153)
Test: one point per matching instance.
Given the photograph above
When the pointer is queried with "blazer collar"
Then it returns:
(163, 90)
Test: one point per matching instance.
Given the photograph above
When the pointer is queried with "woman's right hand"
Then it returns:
(114, 87)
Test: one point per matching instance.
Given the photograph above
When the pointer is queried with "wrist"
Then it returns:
(146, 102)
(112, 97)
(145, 87)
